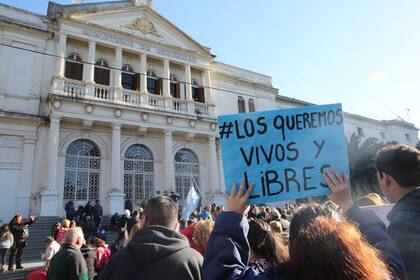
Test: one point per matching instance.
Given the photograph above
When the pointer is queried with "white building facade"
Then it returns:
(110, 100)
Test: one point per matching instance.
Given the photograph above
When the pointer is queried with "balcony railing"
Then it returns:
(80, 89)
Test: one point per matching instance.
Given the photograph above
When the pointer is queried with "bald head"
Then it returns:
(74, 236)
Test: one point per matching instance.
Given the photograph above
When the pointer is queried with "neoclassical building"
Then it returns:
(107, 101)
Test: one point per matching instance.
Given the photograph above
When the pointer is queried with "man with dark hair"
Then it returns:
(134, 219)
(157, 251)
(398, 172)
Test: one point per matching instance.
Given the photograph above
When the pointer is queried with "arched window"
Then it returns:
(241, 105)
(138, 173)
(102, 72)
(251, 105)
(197, 92)
(128, 80)
(187, 167)
(74, 67)
(153, 83)
(81, 172)
(175, 88)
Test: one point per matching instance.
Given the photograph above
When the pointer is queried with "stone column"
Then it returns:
(143, 73)
(188, 89)
(212, 165)
(24, 194)
(207, 86)
(117, 68)
(61, 53)
(169, 163)
(116, 195)
(49, 197)
(89, 67)
(221, 170)
(166, 76)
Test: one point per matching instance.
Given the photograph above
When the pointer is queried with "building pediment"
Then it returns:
(141, 21)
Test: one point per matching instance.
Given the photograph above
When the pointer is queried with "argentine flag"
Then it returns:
(191, 203)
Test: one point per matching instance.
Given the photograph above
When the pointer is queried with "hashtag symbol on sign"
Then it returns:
(225, 130)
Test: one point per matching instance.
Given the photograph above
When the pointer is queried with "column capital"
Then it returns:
(29, 139)
(55, 118)
(116, 126)
(211, 138)
(168, 132)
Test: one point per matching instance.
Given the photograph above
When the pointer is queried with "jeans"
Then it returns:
(3, 254)
(16, 252)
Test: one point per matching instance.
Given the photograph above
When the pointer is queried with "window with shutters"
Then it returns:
(74, 67)
(175, 87)
(102, 72)
(128, 77)
(138, 173)
(187, 167)
(82, 172)
(153, 83)
(197, 92)
(251, 105)
(241, 105)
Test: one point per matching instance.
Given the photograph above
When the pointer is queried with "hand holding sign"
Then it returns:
(340, 189)
(284, 152)
(238, 202)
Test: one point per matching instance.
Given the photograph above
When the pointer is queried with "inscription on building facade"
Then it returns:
(140, 46)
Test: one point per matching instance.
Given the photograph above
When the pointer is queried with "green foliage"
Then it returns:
(362, 165)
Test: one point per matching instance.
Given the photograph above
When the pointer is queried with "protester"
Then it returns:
(51, 248)
(103, 254)
(346, 256)
(124, 218)
(174, 196)
(65, 225)
(266, 248)
(157, 251)
(6, 242)
(198, 235)
(97, 212)
(128, 205)
(20, 232)
(134, 230)
(120, 242)
(205, 214)
(100, 232)
(68, 263)
(134, 219)
(89, 253)
(115, 222)
(72, 224)
(89, 228)
(70, 210)
(398, 172)
(55, 229)
(88, 209)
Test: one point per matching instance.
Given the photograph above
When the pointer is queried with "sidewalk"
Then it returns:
(21, 273)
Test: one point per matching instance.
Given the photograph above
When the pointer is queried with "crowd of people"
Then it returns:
(338, 239)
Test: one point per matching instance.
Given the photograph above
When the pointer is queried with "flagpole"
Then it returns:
(201, 195)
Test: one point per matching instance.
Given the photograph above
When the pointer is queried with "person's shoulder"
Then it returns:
(191, 255)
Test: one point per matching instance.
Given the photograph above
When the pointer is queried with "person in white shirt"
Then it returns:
(51, 248)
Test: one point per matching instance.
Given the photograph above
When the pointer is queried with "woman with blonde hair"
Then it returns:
(65, 225)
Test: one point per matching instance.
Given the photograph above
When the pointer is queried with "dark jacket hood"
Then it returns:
(409, 203)
(155, 243)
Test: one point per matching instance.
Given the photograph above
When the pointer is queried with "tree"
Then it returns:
(362, 166)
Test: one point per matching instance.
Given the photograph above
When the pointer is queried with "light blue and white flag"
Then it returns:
(191, 203)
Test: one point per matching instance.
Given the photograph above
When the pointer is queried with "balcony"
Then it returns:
(89, 91)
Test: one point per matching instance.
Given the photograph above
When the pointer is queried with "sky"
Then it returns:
(363, 54)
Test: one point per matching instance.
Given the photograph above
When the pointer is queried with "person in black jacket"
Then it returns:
(20, 233)
(157, 251)
(89, 253)
(134, 219)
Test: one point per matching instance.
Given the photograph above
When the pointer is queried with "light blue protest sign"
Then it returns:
(283, 152)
